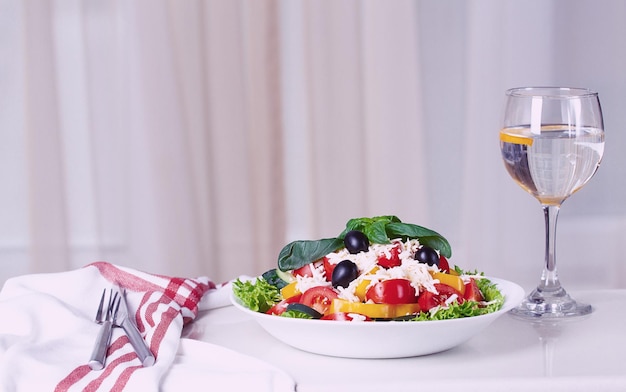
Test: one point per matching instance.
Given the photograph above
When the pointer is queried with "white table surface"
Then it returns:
(586, 354)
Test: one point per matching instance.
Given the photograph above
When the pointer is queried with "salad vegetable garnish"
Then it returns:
(259, 296)
(380, 230)
(376, 269)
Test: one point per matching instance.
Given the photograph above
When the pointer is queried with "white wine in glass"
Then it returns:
(552, 143)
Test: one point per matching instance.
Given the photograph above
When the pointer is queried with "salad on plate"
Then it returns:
(376, 269)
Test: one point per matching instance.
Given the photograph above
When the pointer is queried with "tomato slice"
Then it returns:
(375, 311)
(319, 298)
(393, 260)
(472, 292)
(280, 307)
(428, 300)
(343, 316)
(392, 291)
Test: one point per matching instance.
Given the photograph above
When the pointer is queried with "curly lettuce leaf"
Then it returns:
(257, 295)
(489, 289)
(493, 298)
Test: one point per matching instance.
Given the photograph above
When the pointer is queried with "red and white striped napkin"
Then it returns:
(47, 332)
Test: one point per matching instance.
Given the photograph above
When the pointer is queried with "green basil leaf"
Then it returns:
(437, 242)
(371, 226)
(297, 254)
(355, 224)
(379, 230)
(399, 229)
(425, 236)
(377, 233)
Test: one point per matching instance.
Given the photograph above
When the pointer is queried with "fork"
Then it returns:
(104, 316)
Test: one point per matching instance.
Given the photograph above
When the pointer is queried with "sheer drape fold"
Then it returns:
(44, 154)
(359, 94)
(217, 150)
(153, 135)
(198, 137)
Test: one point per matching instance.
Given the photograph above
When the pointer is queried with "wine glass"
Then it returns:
(552, 143)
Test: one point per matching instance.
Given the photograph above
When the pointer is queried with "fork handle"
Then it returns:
(99, 354)
(141, 348)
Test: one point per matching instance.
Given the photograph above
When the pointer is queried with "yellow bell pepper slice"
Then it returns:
(361, 288)
(290, 290)
(450, 280)
(381, 311)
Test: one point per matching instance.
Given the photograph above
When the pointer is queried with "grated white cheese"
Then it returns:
(414, 271)
(318, 279)
(434, 310)
(347, 293)
(466, 278)
(451, 299)
(356, 317)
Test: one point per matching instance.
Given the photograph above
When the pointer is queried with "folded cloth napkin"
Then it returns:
(47, 333)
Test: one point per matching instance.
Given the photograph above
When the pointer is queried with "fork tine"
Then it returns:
(113, 300)
(103, 317)
(101, 307)
(109, 305)
(114, 308)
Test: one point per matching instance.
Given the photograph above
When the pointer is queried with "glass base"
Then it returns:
(550, 305)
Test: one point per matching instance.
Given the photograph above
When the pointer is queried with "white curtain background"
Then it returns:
(198, 137)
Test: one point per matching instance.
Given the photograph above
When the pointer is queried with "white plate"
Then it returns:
(381, 339)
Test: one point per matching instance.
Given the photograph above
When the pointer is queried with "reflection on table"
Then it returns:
(583, 354)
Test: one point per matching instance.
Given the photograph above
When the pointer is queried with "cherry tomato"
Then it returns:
(328, 268)
(305, 270)
(342, 316)
(319, 298)
(393, 260)
(280, 307)
(472, 292)
(392, 291)
(443, 264)
(428, 300)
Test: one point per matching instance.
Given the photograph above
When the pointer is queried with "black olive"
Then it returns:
(302, 308)
(427, 255)
(355, 241)
(345, 272)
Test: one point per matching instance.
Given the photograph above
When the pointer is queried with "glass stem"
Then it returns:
(549, 279)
